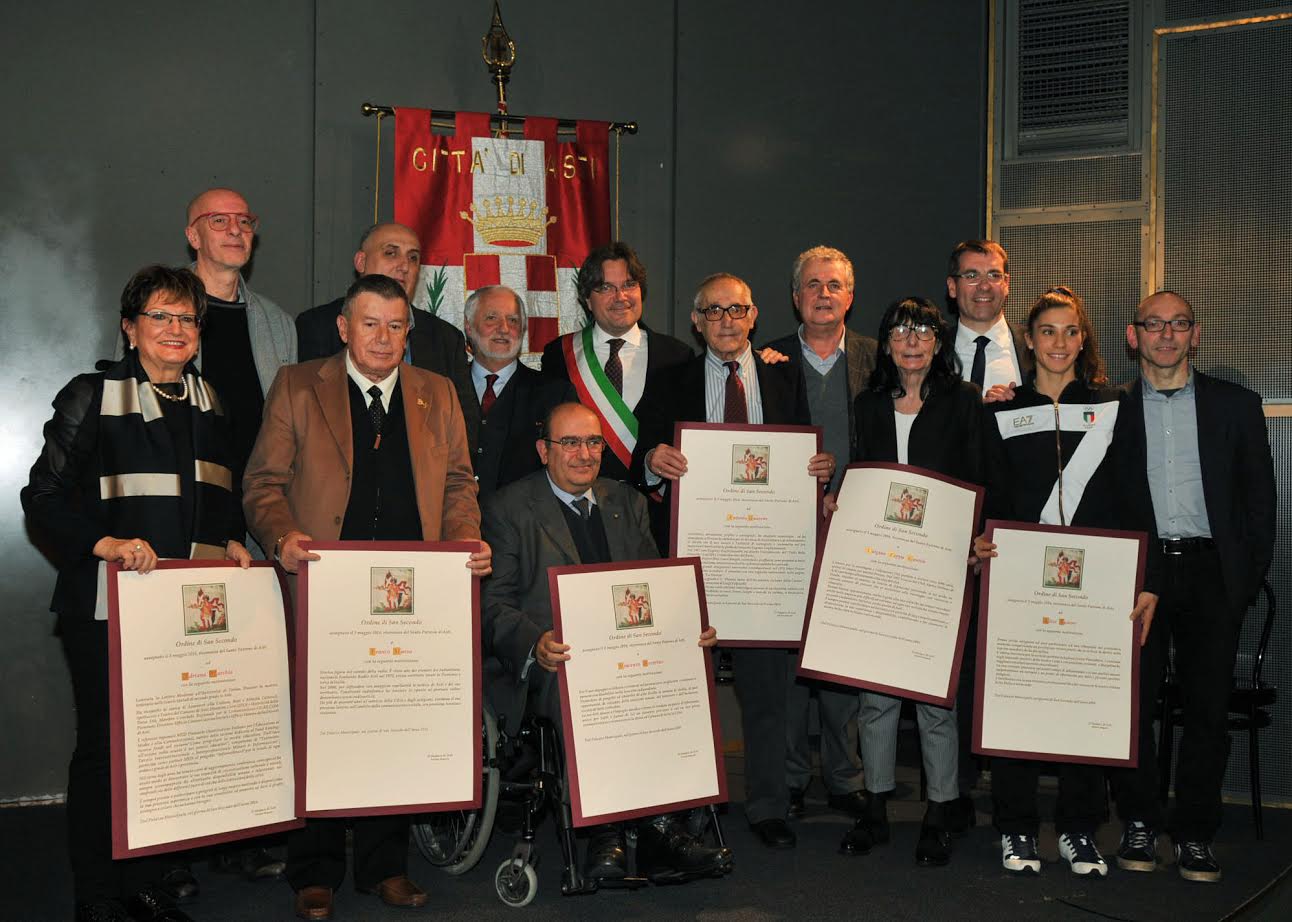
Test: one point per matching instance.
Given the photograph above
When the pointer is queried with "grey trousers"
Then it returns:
(840, 762)
(939, 745)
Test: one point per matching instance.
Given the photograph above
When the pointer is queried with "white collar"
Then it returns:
(387, 384)
(633, 337)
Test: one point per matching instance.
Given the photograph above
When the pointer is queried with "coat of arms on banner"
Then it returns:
(516, 211)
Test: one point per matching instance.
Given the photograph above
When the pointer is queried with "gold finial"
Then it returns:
(499, 53)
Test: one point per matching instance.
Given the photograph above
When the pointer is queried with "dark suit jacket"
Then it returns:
(949, 435)
(435, 344)
(859, 352)
(1237, 478)
(1026, 363)
(527, 531)
(663, 353)
(506, 451)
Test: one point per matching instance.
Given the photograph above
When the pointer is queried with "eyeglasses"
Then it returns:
(219, 220)
(1157, 324)
(606, 288)
(163, 319)
(922, 331)
(571, 443)
(973, 276)
(713, 313)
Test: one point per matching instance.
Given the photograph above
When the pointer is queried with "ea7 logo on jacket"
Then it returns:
(1023, 421)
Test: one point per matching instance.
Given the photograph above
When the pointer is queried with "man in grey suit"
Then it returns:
(835, 364)
(567, 515)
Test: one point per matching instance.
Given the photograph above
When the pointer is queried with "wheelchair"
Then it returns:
(525, 771)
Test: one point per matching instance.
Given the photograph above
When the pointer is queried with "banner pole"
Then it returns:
(376, 181)
(619, 136)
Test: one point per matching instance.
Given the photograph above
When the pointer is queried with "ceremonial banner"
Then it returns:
(199, 705)
(521, 211)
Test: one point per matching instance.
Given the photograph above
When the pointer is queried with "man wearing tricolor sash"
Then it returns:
(616, 361)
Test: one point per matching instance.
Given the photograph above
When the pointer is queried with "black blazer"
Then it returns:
(1237, 478)
(435, 344)
(949, 435)
(527, 532)
(506, 451)
(1026, 362)
(663, 353)
(859, 352)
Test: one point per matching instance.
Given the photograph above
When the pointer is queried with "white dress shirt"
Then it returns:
(1002, 363)
(387, 384)
(632, 356)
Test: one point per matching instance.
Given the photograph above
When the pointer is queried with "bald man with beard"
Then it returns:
(393, 250)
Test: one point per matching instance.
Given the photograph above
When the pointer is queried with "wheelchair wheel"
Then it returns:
(455, 840)
(516, 882)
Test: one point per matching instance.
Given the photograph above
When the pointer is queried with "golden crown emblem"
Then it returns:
(510, 223)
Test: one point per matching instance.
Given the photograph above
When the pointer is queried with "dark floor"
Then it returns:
(810, 882)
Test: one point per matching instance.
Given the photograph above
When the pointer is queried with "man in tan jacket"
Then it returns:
(360, 447)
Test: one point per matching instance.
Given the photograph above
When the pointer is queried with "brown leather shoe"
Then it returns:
(314, 903)
(400, 891)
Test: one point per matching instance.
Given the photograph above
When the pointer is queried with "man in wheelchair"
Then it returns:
(560, 516)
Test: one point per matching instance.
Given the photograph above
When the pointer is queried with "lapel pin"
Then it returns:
(421, 403)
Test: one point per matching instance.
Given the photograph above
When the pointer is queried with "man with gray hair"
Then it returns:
(513, 399)
(835, 363)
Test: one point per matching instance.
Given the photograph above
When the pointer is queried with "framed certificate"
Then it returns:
(1058, 656)
(199, 705)
(891, 591)
(748, 508)
(641, 729)
(387, 679)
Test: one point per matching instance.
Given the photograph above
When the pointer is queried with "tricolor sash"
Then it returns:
(618, 424)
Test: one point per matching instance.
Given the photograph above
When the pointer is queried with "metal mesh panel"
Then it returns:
(1211, 9)
(1276, 740)
(1099, 260)
(1087, 181)
(1073, 74)
(1227, 196)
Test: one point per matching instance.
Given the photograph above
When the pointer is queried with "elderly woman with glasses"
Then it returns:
(134, 469)
(916, 411)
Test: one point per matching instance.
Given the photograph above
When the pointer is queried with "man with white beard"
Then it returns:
(514, 399)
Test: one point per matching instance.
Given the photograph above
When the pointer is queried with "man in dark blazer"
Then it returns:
(360, 447)
(513, 399)
(730, 384)
(822, 283)
(616, 363)
(1204, 445)
(567, 515)
(990, 348)
(434, 344)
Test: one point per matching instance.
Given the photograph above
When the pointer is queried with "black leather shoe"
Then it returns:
(798, 806)
(667, 854)
(960, 815)
(774, 833)
(871, 828)
(854, 803)
(606, 858)
(934, 847)
(152, 904)
(102, 911)
(252, 863)
(180, 885)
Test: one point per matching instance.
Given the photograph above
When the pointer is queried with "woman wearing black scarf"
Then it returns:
(134, 468)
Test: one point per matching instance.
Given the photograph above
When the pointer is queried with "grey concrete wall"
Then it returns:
(762, 133)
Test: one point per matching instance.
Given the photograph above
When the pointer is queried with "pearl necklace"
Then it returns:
(177, 398)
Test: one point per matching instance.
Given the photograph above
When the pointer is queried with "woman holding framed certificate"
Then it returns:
(1058, 448)
(916, 411)
(134, 468)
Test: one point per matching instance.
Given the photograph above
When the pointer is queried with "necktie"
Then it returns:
(979, 369)
(487, 401)
(614, 368)
(582, 507)
(733, 409)
(377, 413)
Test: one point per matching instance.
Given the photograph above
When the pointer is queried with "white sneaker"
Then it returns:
(1079, 851)
(1018, 854)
